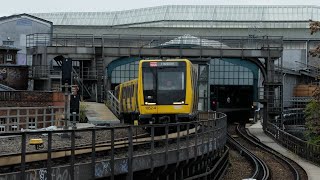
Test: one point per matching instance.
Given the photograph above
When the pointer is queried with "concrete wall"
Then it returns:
(16, 27)
(14, 76)
(289, 82)
(294, 59)
(99, 30)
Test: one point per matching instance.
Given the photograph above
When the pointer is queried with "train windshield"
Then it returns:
(164, 83)
(170, 80)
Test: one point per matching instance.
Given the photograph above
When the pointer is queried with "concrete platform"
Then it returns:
(312, 170)
(99, 114)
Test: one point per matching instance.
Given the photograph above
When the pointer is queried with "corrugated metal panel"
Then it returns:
(185, 13)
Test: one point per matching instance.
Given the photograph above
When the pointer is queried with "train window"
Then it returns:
(171, 80)
(148, 81)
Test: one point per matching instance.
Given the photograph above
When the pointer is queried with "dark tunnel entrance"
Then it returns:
(234, 100)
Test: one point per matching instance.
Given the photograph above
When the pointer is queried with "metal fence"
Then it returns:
(41, 71)
(151, 41)
(15, 119)
(190, 142)
(294, 144)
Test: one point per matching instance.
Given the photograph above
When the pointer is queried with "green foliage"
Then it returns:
(312, 110)
(312, 114)
(314, 28)
(83, 110)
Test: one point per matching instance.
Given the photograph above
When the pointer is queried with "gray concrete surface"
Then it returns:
(312, 170)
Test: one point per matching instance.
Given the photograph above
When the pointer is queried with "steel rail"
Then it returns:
(261, 169)
(257, 142)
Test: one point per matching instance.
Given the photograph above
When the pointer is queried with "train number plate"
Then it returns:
(150, 108)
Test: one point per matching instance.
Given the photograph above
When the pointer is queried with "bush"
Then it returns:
(312, 114)
(83, 110)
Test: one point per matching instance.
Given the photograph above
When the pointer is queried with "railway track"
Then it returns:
(275, 165)
(261, 170)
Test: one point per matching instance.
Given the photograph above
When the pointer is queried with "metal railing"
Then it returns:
(41, 71)
(302, 148)
(152, 41)
(188, 145)
(113, 103)
(294, 114)
(15, 119)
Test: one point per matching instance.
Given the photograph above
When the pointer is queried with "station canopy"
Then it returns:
(201, 15)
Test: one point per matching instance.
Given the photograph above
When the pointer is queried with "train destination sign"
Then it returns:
(161, 64)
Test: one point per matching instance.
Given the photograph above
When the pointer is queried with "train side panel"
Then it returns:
(128, 100)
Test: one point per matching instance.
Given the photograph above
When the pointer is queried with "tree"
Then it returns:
(312, 111)
(312, 114)
(315, 27)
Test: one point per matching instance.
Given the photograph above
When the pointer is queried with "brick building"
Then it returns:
(8, 55)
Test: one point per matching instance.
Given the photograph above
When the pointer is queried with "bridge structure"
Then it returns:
(101, 152)
(265, 52)
(95, 53)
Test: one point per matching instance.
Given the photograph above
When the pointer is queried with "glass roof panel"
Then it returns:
(185, 13)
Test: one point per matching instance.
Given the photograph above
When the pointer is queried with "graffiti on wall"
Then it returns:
(102, 168)
(59, 173)
(15, 77)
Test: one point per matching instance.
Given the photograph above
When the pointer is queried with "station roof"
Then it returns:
(186, 13)
(24, 15)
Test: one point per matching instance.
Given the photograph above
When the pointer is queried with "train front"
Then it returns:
(163, 91)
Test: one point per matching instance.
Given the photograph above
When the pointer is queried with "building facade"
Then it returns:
(291, 23)
(15, 28)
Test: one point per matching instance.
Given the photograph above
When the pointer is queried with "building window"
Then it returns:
(9, 57)
(31, 123)
(2, 124)
(7, 43)
(13, 124)
(125, 72)
(2, 121)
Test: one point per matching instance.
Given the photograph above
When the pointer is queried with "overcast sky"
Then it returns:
(9, 7)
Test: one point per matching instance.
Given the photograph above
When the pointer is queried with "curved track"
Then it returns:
(261, 170)
(280, 167)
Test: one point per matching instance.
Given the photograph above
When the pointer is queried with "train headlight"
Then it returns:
(182, 102)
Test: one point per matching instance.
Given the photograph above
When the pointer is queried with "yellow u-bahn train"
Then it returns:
(165, 91)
